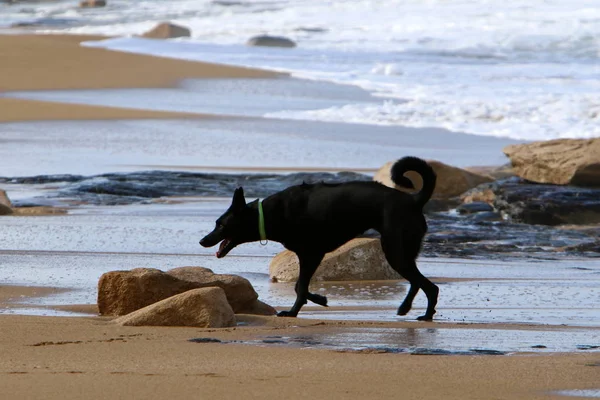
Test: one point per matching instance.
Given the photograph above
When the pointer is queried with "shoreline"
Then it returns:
(59, 62)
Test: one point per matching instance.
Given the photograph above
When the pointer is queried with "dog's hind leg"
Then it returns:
(308, 266)
(407, 267)
(418, 281)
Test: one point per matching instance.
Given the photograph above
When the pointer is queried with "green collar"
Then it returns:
(261, 223)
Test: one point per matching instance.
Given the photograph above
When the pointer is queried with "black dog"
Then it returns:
(314, 219)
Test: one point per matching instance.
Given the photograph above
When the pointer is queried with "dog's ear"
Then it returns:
(239, 201)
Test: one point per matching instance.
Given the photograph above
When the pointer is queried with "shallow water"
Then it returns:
(74, 250)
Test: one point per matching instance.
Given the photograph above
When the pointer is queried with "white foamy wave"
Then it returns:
(519, 120)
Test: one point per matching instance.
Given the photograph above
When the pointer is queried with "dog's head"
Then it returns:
(239, 224)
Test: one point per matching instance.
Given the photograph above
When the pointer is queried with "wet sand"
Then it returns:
(64, 357)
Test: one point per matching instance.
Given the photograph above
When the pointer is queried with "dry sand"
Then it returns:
(49, 62)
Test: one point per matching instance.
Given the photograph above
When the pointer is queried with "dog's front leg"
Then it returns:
(308, 265)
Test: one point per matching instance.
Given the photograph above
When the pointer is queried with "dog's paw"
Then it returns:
(425, 318)
(286, 314)
(404, 309)
(318, 299)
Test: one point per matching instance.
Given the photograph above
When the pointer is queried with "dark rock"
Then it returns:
(271, 41)
(475, 207)
(485, 216)
(542, 204)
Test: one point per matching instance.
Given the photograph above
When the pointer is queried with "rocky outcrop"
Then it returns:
(167, 30)
(451, 181)
(271, 41)
(92, 3)
(202, 308)
(560, 162)
(359, 259)
(122, 292)
(540, 204)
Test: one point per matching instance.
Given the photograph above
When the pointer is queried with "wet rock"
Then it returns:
(142, 187)
(560, 162)
(451, 181)
(202, 308)
(452, 235)
(474, 207)
(485, 216)
(122, 292)
(359, 259)
(271, 41)
(167, 30)
(92, 3)
(542, 204)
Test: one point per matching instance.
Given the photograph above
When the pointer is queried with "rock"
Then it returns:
(474, 207)
(122, 292)
(486, 216)
(167, 30)
(540, 204)
(451, 181)
(92, 3)
(359, 259)
(479, 194)
(257, 308)
(4, 210)
(560, 162)
(202, 308)
(4, 200)
(271, 41)
(501, 172)
(239, 291)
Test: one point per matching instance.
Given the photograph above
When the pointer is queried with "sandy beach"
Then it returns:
(50, 62)
(57, 357)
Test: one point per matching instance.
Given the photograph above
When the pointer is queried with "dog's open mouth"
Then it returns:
(224, 248)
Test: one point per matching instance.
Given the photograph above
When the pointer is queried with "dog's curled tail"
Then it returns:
(421, 167)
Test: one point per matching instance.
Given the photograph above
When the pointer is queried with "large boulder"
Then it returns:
(122, 292)
(167, 30)
(560, 162)
(451, 181)
(357, 260)
(203, 308)
(270, 41)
